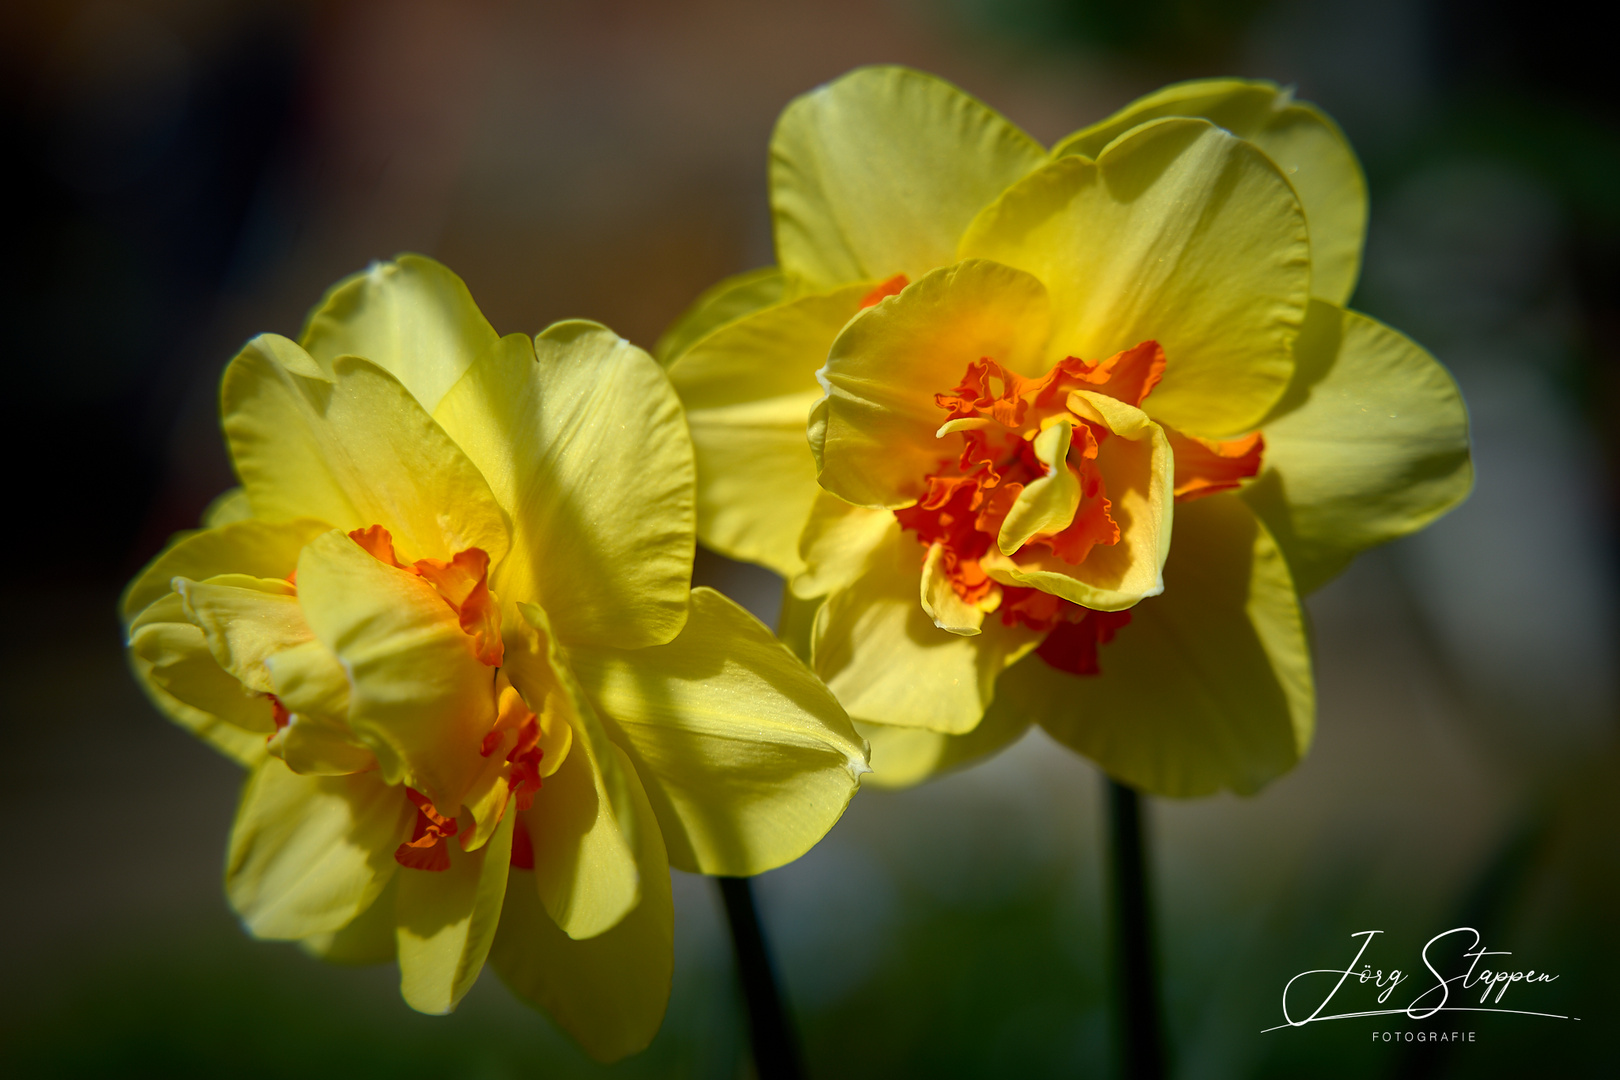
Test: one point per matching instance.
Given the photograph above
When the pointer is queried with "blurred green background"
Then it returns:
(185, 173)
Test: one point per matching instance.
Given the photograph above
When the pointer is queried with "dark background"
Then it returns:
(181, 175)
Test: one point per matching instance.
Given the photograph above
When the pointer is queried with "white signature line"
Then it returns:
(1426, 1012)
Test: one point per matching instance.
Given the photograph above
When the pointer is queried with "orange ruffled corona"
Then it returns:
(968, 499)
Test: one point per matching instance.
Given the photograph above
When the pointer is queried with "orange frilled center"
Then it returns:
(965, 502)
(462, 582)
(966, 499)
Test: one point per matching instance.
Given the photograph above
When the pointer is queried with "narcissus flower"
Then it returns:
(447, 625)
(1062, 436)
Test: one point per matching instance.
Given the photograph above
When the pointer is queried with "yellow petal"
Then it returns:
(837, 541)
(265, 549)
(1304, 142)
(583, 442)
(879, 172)
(903, 757)
(309, 853)
(877, 438)
(411, 317)
(314, 688)
(756, 480)
(1046, 505)
(173, 664)
(353, 448)
(446, 922)
(369, 939)
(887, 662)
(1209, 687)
(227, 508)
(557, 734)
(608, 992)
(584, 866)
(1369, 444)
(315, 747)
(309, 679)
(747, 389)
(1138, 470)
(245, 620)
(746, 757)
(720, 304)
(1181, 234)
(949, 611)
(583, 820)
(1316, 157)
(418, 699)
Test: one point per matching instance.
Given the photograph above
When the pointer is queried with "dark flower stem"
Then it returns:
(776, 1049)
(1136, 983)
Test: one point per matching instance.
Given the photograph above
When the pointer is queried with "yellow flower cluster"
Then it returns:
(1035, 436)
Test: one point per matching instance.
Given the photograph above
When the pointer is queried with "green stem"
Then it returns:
(1142, 1055)
(776, 1049)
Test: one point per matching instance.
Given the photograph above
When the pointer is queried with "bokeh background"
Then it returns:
(182, 174)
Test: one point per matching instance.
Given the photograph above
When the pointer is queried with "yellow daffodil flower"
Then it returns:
(1083, 424)
(446, 623)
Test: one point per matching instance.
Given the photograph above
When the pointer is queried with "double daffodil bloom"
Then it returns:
(1062, 436)
(447, 625)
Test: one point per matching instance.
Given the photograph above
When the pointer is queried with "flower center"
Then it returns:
(462, 582)
(1017, 432)
(1028, 476)
(517, 732)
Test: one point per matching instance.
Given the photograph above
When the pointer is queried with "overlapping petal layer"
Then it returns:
(171, 659)
(419, 697)
(264, 549)
(348, 444)
(309, 853)
(370, 939)
(1209, 686)
(447, 922)
(873, 435)
(411, 317)
(746, 757)
(245, 620)
(170, 653)
(1304, 142)
(608, 991)
(747, 389)
(1178, 233)
(1370, 443)
(722, 303)
(1139, 468)
(583, 838)
(879, 172)
(920, 676)
(582, 440)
